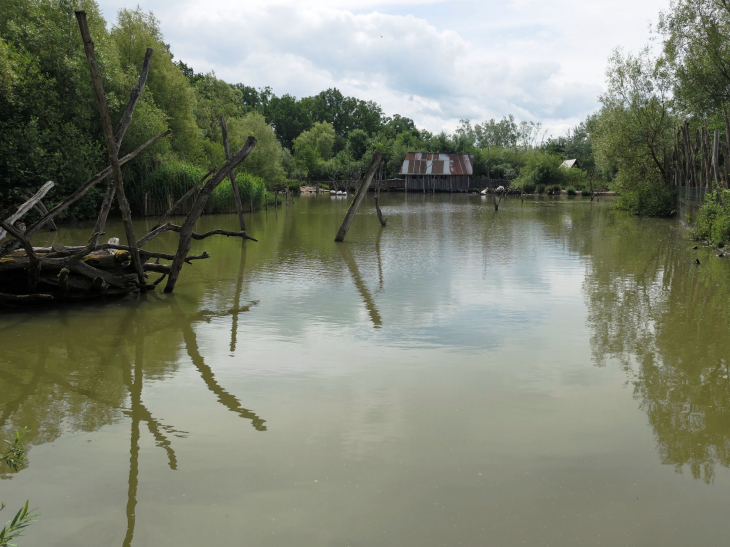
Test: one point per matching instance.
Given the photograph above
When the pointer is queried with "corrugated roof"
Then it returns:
(421, 163)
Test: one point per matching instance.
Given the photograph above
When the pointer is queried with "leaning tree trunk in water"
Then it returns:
(361, 193)
(186, 233)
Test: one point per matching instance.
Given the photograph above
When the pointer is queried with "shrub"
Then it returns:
(529, 187)
(649, 200)
(570, 190)
(585, 192)
(294, 186)
(713, 220)
(324, 186)
(540, 188)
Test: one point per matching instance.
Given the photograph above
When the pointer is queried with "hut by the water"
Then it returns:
(437, 172)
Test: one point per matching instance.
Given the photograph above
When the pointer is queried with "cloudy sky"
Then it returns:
(435, 61)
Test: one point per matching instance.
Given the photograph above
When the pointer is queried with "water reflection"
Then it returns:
(86, 386)
(446, 357)
(664, 320)
(362, 288)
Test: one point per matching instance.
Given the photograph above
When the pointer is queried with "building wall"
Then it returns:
(437, 183)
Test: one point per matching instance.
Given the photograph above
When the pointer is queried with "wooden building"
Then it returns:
(437, 172)
(569, 164)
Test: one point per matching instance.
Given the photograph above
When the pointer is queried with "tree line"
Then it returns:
(49, 129)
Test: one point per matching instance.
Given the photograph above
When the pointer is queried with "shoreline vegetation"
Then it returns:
(657, 107)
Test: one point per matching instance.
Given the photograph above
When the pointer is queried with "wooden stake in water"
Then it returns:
(359, 196)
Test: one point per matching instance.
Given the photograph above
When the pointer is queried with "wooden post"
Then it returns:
(187, 228)
(110, 142)
(236, 193)
(359, 196)
(377, 198)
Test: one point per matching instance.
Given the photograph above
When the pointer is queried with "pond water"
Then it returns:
(552, 374)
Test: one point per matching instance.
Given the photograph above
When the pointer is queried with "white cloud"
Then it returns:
(435, 62)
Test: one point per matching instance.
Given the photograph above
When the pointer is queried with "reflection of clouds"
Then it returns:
(375, 417)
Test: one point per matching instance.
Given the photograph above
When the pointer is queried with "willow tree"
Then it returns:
(634, 131)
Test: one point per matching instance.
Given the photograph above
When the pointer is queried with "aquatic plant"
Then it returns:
(14, 458)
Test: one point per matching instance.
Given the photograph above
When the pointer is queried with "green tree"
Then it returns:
(266, 161)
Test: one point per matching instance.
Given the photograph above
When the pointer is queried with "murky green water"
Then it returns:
(554, 374)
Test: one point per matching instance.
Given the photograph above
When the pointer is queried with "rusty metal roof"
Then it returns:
(420, 163)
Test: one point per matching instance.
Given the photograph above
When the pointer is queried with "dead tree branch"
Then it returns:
(187, 228)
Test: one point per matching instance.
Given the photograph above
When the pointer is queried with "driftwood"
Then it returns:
(42, 274)
(78, 194)
(27, 206)
(232, 176)
(361, 193)
(41, 210)
(186, 230)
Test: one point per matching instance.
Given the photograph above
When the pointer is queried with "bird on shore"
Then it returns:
(697, 261)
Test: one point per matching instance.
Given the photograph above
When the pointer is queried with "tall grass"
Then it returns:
(171, 180)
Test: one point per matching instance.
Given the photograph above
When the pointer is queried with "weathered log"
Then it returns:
(27, 206)
(41, 210)
(359, 196)
(187, 228)
(108, 261)
(74, 264)
(177, 204)
(232, 176)
(110, 142)
(34, 264)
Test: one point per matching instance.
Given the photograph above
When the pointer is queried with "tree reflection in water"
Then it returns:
(664, 319)
(84, 387)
